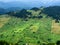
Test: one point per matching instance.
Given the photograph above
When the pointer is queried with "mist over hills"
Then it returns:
(18, 5)
(27, 5)
(12, 4)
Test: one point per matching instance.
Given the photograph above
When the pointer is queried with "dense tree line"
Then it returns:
(38, 42)
(35, 9)
(53, 12)
(22, 14)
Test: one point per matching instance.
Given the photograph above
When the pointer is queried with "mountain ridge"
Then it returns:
(27, 4)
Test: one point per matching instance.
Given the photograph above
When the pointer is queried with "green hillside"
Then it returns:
(30, 30)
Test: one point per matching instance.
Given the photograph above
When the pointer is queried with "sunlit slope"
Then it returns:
(32, 31)
(17, 30)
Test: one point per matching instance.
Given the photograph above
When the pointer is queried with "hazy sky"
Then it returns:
(45, 1)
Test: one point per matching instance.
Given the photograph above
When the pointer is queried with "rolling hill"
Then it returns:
(30, 27)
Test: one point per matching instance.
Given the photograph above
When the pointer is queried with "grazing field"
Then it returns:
(29, 31)
(32, 32)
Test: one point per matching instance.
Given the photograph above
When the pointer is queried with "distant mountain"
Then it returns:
(14, 9)
(2, 11)
(14, 4)
(52, 11)
(28, 5)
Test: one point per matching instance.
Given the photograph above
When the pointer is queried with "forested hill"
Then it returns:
(53, 11)
(2, 10)
(36, 26)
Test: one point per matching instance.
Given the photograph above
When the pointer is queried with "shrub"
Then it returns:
(4, 43)
(58, 43)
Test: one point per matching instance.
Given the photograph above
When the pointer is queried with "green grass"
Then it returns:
(34, 31)
(29, 31)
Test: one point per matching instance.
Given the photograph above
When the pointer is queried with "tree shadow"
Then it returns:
(58, 43)
(4, 43)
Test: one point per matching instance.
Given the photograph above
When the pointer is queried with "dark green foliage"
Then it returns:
(37, 17)
(35, 9)
(38, 42)
(31, 25)
(34, 17)
(40, 13)
(44, 44)
(22, 14)
(10, 13)
(56, 21)
(53, 12)
(21, 31)
(16, 44)
(40, 17)
(51, 44)
(58, 43)
(49, 40)
(1, 35)
(26, 19)
(4, 43)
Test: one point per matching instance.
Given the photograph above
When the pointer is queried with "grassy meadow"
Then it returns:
(32, 31)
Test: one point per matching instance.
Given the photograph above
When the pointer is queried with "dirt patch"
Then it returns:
(3, 21)
(55, 27)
